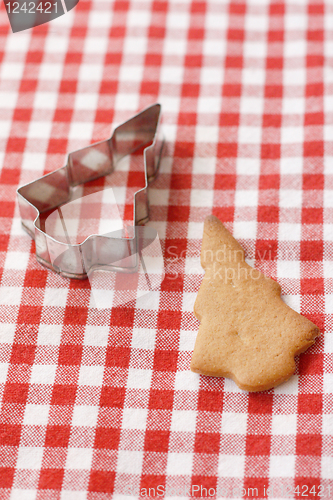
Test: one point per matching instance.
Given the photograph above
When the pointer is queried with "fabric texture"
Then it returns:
(100, 403)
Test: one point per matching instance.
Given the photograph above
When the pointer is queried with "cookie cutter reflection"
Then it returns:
(115, 278)
(139, 273)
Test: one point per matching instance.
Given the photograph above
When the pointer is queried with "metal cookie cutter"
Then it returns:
(110, 251)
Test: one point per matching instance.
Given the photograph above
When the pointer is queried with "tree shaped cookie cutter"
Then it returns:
(97, 160)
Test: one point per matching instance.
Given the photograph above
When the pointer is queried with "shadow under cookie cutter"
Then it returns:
(97, 160)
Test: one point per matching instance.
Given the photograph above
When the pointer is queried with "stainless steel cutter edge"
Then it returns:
(54, 189)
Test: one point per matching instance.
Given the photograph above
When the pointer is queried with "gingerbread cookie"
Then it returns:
(247, 333)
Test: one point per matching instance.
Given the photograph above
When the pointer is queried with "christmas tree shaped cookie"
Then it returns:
(247, 333)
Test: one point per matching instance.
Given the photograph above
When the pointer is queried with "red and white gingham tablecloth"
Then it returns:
(100, 403)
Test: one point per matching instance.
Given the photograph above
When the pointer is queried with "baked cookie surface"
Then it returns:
(247, 333)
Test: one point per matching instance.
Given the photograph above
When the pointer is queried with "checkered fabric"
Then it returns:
(100, 403)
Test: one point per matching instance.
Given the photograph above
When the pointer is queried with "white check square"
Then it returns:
(91, 375)
(328, 341)
(216, 20)
(251, 105)
(214, 47)
(135, 45)
(249, 135)
(292, 135)
(34, 161)
(328, 383)
(329, 304)
(288, 269)
(138, 17)
(79, 458)
(49, 334)
(16, 260)
(246, 198)
(7, 333)
(327, 424)
(202, 165)
(178, 20)
(134, 418)
(129, 462)
(202, 197)
(183, 421)
(179, 464)
(209, 105)
(187, 340)
(193, 266)
(195, 230)
(96, 335)
(143, 338)
(8, 99)
(86, 101)
(126, 101)
(253, 76)
(296, 22)
(188, 301)
(81, 131)
(11, 70)
(36, 414)
(174, 46)
(247, 166)
(245, 229)
(186, 380)
(291, 165)
(149, 301)
(22, 494)
(85, 415)
(45, 100)
(293, 106)
(172, 74)
(256, 22)
(206, 133)
(56, 44)
(131, 73)
(282, 465)
(293, 76)
(289, 387)
(257, 48)
(73, 495)
(3, 371)
(328, 232)
(295, 48)
(326, 468)
(10, 295)
(234, 423)
(209, 75)
(5, 128)
(139, 379)
(55, 297)
(96, 45)
(40, 130)
(291, 198)
(29, 458)
(91, 72)
(231, 466)
(328, 197)
(289, 231)
(284, 425)
(43, 374)
(99, 20)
